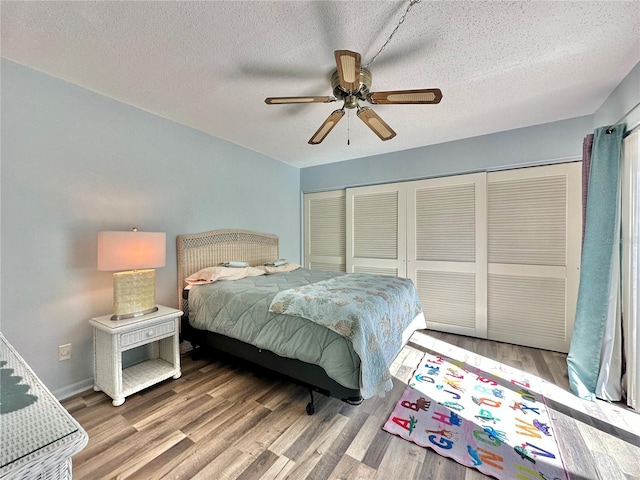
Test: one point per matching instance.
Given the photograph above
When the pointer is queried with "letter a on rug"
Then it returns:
(496, 423)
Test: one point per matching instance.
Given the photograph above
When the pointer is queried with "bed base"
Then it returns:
(302, 373)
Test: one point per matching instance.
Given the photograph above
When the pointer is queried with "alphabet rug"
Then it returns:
(494, 422)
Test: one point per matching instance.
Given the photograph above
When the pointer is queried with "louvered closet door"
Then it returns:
(376, 230)
(325, 230)
(446, 251)
(534, 225)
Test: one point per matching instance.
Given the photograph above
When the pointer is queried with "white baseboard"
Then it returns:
(71, 390)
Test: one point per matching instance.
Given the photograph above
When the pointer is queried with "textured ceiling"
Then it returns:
(210, 65)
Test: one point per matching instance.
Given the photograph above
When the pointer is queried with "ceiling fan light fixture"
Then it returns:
(375, 123)
(326, 127)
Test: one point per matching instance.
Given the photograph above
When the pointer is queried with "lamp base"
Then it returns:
(133, 315)
(134, 294)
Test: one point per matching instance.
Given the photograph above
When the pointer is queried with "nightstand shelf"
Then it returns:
(145, 374)
(111, 338)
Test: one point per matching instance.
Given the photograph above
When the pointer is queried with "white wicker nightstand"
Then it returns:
(111, 338)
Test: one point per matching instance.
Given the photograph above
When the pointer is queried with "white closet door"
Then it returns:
(534, 225)
(376, 230)
(325, 230)
(446, 251)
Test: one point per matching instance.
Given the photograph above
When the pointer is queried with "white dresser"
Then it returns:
(38, 436)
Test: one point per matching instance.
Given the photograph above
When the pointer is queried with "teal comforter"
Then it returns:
(240, 309)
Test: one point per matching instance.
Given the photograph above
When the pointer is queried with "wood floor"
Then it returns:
(223, 421)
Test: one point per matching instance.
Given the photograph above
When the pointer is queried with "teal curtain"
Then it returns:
(601, 238)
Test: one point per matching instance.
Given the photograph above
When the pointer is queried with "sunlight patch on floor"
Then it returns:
(615, 415)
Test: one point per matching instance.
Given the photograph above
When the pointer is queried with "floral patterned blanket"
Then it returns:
(370, 310)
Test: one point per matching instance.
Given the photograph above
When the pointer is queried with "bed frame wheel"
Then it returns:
(310, 407)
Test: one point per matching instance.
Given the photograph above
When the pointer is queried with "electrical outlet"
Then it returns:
(64, 352)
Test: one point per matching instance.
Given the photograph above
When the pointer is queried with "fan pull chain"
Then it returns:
(348, 126)
(411, 4)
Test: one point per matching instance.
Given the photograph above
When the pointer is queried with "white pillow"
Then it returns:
(213, 274)
(287, 267)
(234, 264)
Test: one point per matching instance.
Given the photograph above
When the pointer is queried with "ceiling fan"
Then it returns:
(351, 83)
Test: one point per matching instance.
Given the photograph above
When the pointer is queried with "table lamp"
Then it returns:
(132, 256)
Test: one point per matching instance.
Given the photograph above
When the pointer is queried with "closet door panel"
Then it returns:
(528, 219)
(534, 225)
(528, 308)
(325, 230)
(448, 299)
(446, 251)
(376, 230)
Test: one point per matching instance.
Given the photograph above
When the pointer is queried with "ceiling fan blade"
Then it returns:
(421, 96)
(375, 123)
(284, 100)
(348, 64)
(326, 127)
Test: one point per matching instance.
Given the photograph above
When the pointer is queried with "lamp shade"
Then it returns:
(133, 250)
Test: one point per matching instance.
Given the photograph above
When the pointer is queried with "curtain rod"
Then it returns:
(610, 129)
(631, 130)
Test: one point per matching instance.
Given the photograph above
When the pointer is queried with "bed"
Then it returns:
(243, 318)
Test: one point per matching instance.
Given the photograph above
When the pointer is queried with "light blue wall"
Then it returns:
(536, 145)
(74, 163)
(547, 143)
(622, 100)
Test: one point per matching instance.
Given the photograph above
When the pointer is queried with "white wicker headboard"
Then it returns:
(196, 251)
